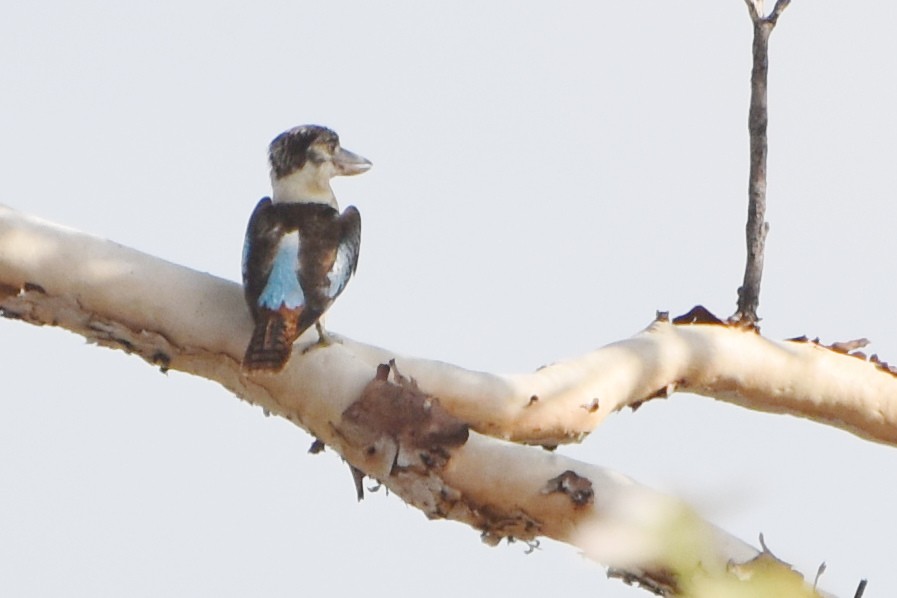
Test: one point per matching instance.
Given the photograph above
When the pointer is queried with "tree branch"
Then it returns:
(755, 8)
(181, 319)
(758, 116)
(777, 11)
(119, 297)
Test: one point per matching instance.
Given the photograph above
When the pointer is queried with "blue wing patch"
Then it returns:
(282, 288)
(342, 269)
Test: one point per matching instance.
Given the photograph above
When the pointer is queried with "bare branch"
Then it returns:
(406, 434)
(755, 8)
(122, 298)
(780, 7)
(758, 116)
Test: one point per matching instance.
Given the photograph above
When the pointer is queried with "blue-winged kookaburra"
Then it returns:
(299, 250)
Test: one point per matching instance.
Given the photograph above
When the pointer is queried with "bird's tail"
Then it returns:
(272, 341)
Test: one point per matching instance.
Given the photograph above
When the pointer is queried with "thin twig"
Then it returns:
(753, 9)
(757, 227)
(780, 7)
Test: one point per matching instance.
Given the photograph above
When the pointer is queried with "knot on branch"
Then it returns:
(396, 426)
(578, 488)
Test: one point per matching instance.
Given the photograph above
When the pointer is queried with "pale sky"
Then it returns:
(546, 176)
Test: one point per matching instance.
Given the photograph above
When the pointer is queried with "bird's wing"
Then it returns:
(270, 256)
(346, 253)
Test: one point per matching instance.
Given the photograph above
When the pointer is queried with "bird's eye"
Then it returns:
(317, 154)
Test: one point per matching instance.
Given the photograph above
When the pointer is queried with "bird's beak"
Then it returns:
(348, 163)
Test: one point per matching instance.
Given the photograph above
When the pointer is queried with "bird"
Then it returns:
(299, 251)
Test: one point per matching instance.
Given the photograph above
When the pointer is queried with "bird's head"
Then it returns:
(304, 159)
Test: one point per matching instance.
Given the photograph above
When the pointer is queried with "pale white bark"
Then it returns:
(194, 322)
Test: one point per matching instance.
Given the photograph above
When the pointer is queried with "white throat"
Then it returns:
(306, 185)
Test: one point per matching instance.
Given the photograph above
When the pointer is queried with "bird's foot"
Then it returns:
(324, 340)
